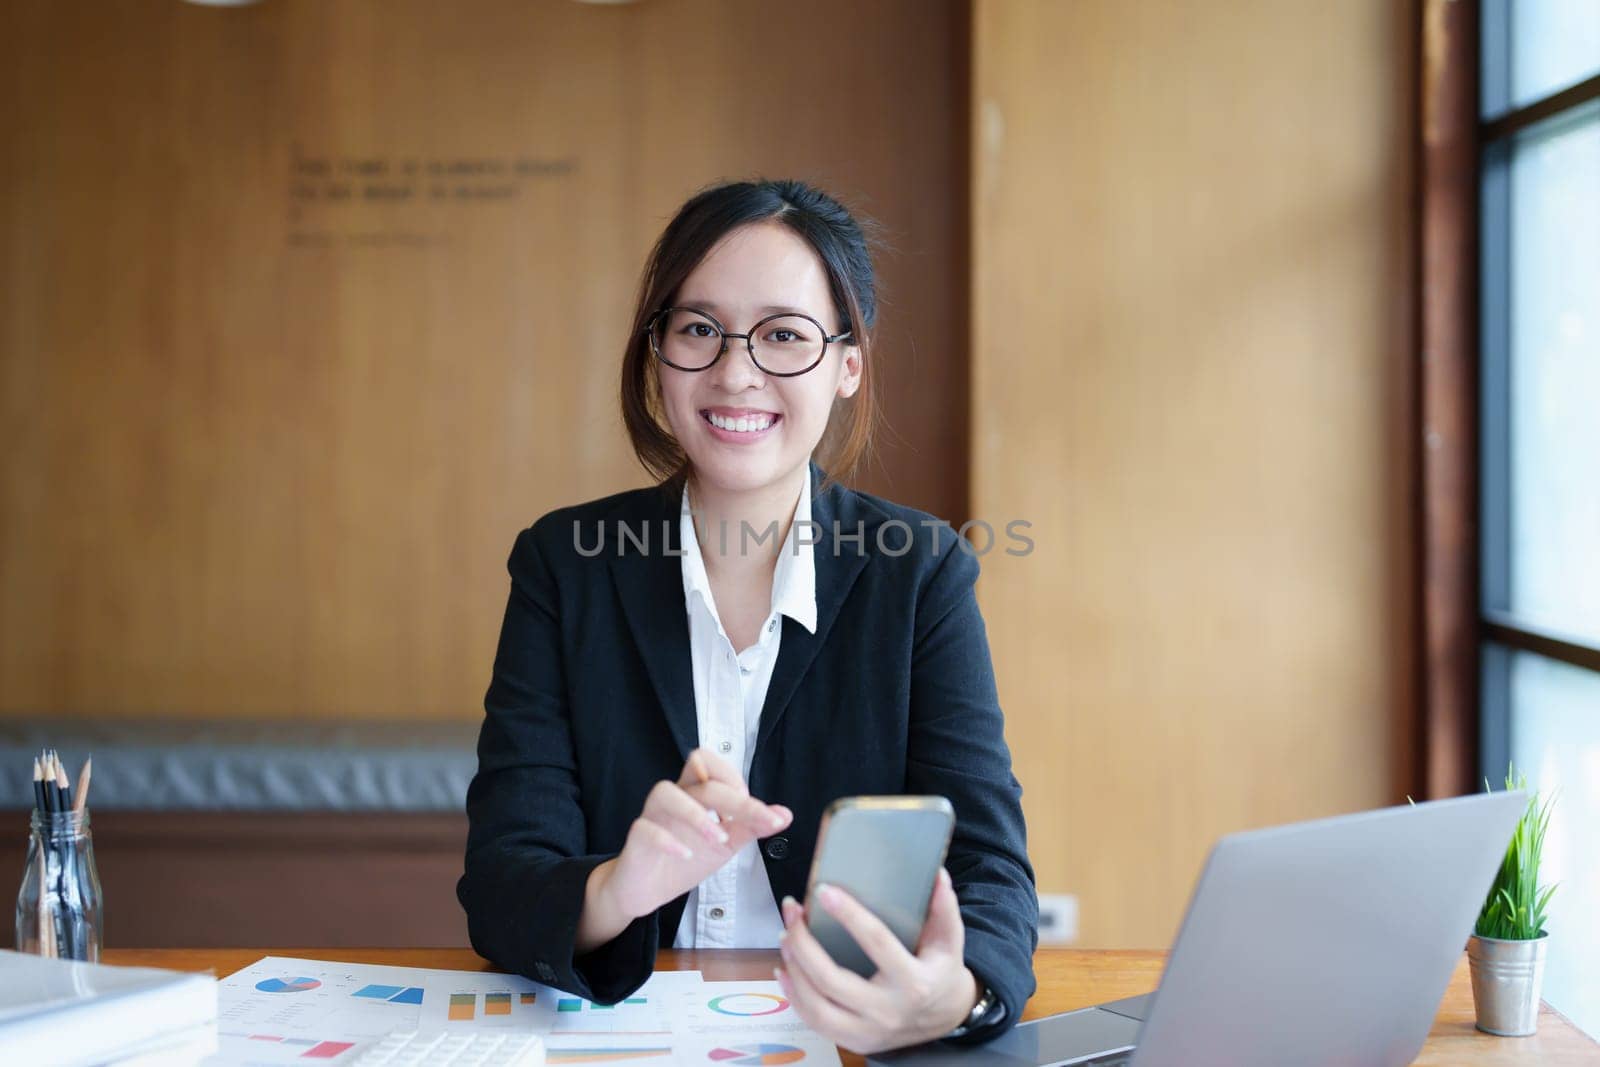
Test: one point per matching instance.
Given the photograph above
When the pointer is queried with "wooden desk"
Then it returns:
(1067, 979)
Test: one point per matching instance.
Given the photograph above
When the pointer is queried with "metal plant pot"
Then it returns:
(1506, 979)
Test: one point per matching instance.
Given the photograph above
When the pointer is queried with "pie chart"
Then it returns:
(758, 1054)
(287, 985)
(748, 1004)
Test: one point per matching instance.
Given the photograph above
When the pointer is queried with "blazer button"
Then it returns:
(777, 848)
(545, 971)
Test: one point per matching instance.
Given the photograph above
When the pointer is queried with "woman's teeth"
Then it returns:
(742, 424)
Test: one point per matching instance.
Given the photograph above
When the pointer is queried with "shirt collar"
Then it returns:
(794, 579)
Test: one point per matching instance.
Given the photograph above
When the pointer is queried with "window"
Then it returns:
(1540, 438)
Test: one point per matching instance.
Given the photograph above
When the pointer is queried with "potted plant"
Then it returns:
(1507, 950)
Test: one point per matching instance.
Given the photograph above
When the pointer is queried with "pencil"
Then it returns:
(68, 852)
(83, 787)
(47, 926)
(63, 790)
(38, 785)
(47, 784)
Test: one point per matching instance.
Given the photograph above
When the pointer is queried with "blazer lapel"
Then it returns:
(650, 585)
(837, 568)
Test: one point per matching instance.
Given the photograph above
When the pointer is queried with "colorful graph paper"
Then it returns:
(575, 1004)
(603, 1055)
(287, 985)
(314, 1049)
(394, 994)
(748, 1004)
(763, 1054)
(379, 992)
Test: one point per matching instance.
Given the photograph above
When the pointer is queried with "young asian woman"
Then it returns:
(689, 673)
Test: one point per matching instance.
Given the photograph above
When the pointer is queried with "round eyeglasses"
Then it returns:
(782, 345)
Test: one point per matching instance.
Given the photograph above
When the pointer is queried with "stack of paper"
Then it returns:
(66, 1012)
(280, 1010)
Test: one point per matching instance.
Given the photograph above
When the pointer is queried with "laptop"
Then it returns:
(1325, 942)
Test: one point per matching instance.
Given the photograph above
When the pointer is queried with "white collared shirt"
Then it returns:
(734, 907)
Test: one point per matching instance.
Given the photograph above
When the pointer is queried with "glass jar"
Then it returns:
(58, 905)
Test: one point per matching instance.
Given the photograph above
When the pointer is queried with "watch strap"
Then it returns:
(986, 1004)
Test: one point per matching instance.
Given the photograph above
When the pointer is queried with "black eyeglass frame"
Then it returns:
(748, 338)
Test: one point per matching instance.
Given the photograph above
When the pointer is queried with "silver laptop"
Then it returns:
(1326, 942)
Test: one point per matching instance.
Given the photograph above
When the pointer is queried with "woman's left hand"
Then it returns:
(912, 998)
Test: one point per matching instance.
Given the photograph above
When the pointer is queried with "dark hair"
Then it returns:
(839, 241)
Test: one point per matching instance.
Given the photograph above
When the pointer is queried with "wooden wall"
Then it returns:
(265, 445)
(263, 451)
(1192, 278)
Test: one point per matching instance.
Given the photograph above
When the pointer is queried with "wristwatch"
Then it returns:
(986, 1003)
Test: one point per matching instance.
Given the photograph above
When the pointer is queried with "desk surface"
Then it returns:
(1068, 979)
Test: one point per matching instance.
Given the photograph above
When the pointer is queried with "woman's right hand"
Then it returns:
(687, 830)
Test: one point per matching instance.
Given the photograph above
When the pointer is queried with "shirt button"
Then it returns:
(726, 746)
(772, 625)
(743, 669)
(716, 913)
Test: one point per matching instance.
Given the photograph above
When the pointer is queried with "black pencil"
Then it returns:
(68, 889)
(46, 801)
(71, 885)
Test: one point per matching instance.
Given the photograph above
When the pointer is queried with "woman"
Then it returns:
(688, 674)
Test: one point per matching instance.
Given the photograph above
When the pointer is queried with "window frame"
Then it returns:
(1465, 646)
(1501, 632)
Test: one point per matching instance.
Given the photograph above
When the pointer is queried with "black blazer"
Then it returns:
(592, 702)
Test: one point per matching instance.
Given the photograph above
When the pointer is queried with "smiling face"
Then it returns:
(743, 429)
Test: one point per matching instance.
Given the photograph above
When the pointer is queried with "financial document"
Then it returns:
(285, 1010)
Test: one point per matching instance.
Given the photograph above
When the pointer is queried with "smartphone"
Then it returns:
(885, 852)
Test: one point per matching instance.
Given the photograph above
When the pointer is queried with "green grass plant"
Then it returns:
(1515, 907)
